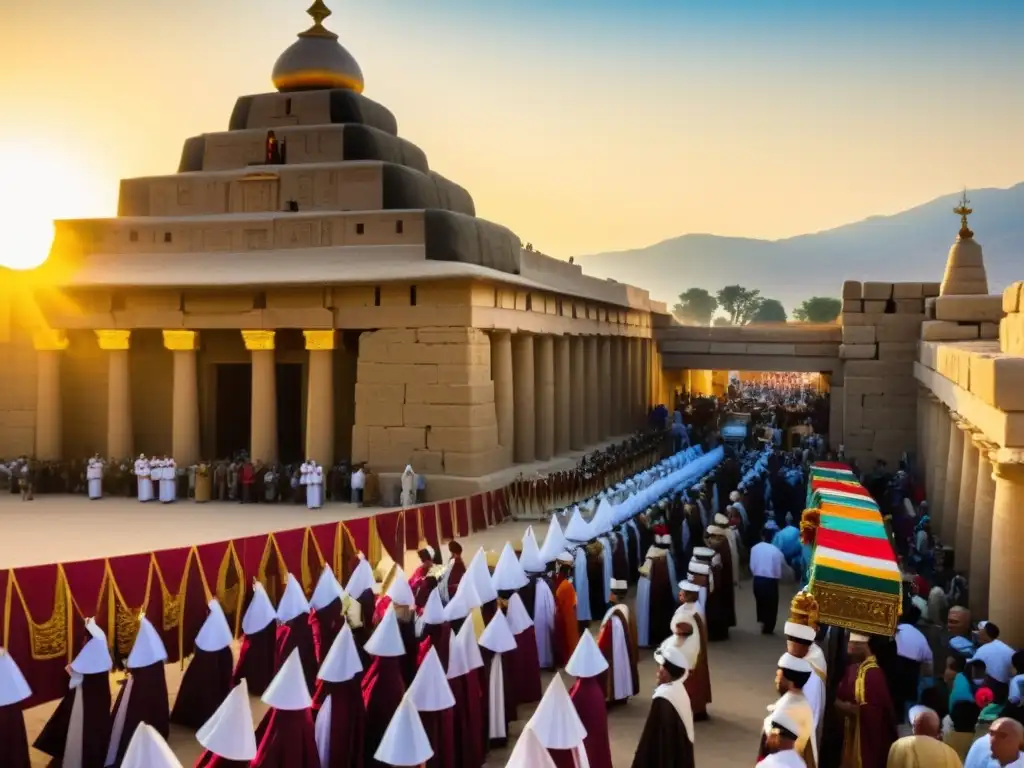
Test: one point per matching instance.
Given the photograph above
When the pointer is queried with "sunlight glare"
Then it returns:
(37, 185)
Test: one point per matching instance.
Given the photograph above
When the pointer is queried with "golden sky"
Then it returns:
(581, 130)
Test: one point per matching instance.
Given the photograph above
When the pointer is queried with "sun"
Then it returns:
(37, 185)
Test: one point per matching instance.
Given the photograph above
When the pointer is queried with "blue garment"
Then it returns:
(980, 755)
(582, 584)
(961, 690)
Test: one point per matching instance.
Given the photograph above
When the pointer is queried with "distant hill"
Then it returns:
(910, 246)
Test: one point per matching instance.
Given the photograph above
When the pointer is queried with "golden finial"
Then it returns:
(318, 11)
(963, 212)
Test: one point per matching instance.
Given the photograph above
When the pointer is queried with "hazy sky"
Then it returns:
(582, 125)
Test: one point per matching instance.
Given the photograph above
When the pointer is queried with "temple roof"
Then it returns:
(317, 60)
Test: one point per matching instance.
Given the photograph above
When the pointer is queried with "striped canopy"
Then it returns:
(854, 575)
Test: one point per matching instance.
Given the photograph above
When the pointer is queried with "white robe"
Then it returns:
(582, 584)
(622, 667)
(315, 489)
(322, 732)
(801, 710)
(544, 623)
(606, 553)
(94, 477)
(496, 701)
(168, 491)
(643, 612)
(144, 481)
(786, 759)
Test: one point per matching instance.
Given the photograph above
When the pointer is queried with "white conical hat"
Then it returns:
(518, 617)
(147, 749)
(577, 530)
(480, 577)
(429, 690)
(405, 742)
(529, 752)
(587, 660)
(342, 661)
(400, 592)
(508, 573)
(94, 657)
(433, 611)
(361, 579)
(497, 637)
(215, 634)
(293, 602)
(530, 558)
(386, 639)
(327, 590)
(148, 647)
(13, 686)
(260, 612)
(463, 652)
(288, 689)
(602, 521)
(464, 601)
(554, 541)
(229, 732)
(555, 721)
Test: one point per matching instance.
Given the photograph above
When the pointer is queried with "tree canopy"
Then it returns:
(769, 311)
(721, 321)
(818, 309)
(739, 303)
(695, 307)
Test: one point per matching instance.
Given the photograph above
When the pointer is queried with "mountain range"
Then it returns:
(907, 246)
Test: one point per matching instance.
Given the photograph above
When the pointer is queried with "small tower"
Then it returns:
(965, 265)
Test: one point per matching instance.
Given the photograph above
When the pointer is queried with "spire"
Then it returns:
(963, 211)
(965, 265)
(318, 11)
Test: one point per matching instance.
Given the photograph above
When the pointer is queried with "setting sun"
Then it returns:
(41, 184)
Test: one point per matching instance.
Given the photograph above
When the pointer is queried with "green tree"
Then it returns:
(818, 309)
(740, 303)
(721, 321)
(695, 307)
(770, 311)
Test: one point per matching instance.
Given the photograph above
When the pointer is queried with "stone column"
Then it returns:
(119, 392)
(50, 345)
(593, 417)
(927, 457)
(544, 391)
(622, 407)
(636, 382)
(563, 394)
(922, 434)
(578, 426)
(1006, 598)
(965, 511)
(185, 447)
(981, 540)
(937, 506)
(614, 410)
(524, 400)
(606, 387)
(951, 497)
(264, 395)
(320, 397)
(504, 399)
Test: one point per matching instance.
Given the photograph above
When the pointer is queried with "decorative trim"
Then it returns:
(857, 609)
(50, 340)
(113, 341)
(258, 341)
(319, 340)
(181, 341)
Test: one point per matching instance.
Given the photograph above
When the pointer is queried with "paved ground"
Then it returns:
(742, 669)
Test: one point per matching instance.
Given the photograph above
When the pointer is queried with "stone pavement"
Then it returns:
(742, 669)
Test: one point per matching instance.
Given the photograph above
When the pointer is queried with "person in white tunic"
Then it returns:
(405, 741)
(782, 740)
(615, 639)
(147, 749)
(168, 481)
(315, 486)
(229, 734)
(143, 482)
(94, 477)
(408, 487)
(792, 675)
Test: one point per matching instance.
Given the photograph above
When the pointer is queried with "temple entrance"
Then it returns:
(234, 406)
(290, 448)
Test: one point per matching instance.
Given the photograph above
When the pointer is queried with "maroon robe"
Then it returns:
(148, 704)
(210, 760)
(367, 604)
(562, 758)
(383, 688)
(96, 721)
(469, 748)
(526, 661)
(13, 737)
(256, 660)
(873, 730)
(698, 682)
(407, 629)
(440, 728)
(488, 609)
(509, 670)
(588, 697)
(326, 624)
(438, 637)
(348, 722)
(454, 576)
(662, 602)
(293, 634)
(723, 580)
(483, 676)
(204, 686)
(286, 740)
(664, 742)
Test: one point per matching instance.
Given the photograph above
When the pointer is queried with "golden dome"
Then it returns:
(317, 60)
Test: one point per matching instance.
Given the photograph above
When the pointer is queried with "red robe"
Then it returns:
(588, 697)
(867, 735)
(256, 660)
(210, 760)
(348, 722)
(96, 721)
(204, 686)
(326, 624)
(148, 703)
(437, 636)
(440, 728)
(13, 737)
(566, 631)
(526, 663)
(293, 634)
(698, 683)
(383, 689)
(286, 740)
(455, 574)
(469, 748)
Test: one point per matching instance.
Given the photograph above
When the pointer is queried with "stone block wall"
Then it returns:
(18, 398)
(425, 397)
(881, 325)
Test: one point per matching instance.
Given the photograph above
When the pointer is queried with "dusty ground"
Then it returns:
(742, 669)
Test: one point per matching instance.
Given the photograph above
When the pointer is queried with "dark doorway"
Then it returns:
(234, 408)
(289, 412)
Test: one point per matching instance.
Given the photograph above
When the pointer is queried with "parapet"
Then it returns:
(337, 105)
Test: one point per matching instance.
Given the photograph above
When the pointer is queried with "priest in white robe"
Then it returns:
(94, 477)
(792, 675)
(143, 481)
(782, 739)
